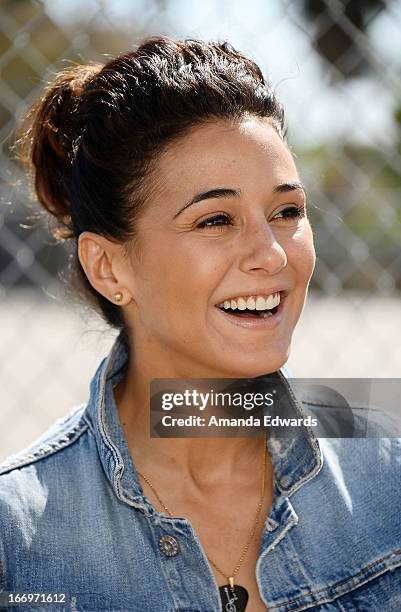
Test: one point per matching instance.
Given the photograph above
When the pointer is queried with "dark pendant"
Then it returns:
(233, 602)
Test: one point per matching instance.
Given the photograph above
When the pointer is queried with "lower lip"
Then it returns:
(256, 322)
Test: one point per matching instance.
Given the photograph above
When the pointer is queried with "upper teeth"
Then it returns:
(253, 302)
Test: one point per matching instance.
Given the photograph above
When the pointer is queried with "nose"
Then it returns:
(262, 250)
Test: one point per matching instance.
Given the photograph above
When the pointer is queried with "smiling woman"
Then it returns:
(168, 170)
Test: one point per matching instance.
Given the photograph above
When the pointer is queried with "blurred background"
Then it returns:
(336, 66)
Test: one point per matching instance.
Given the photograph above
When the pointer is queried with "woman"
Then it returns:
(168, 170)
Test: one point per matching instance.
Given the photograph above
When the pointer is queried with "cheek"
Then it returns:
(301, 252)
(180, 276)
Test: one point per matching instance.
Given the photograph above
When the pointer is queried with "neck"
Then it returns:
(204, 462)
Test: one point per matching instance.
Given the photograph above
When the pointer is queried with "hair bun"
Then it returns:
(47, 140)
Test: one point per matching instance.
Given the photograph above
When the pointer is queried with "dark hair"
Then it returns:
(93, 138)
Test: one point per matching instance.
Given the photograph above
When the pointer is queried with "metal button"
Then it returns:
(169, 546)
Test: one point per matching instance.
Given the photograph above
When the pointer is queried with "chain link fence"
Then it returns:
(336, 66)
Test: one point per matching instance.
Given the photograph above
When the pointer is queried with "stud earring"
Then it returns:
(118, 296)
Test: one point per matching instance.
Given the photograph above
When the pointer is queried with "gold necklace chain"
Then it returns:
(251, 533)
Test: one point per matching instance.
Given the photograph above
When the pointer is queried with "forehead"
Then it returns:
(246, 154)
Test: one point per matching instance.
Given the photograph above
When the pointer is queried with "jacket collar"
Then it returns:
(295, 459)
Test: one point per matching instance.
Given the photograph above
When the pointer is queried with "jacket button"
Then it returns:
(169, 546)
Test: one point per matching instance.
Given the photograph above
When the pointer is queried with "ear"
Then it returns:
(100, 258)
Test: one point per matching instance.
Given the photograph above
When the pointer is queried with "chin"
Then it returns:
(252, 368)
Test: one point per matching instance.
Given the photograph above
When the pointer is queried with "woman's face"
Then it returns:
(248, 237)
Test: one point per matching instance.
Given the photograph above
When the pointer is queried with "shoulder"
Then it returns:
(360, 445)
(376, 458)
(339, 417)
(362, 476)
(34, 482)
(20, 473)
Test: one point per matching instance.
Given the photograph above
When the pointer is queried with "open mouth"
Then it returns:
(256, 314)
(258, 310)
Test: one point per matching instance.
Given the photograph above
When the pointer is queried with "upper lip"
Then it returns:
(264, 292)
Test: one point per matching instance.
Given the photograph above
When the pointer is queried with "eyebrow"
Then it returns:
(225, 192)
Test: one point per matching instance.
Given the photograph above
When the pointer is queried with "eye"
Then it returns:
(290, 213)
(212, 222)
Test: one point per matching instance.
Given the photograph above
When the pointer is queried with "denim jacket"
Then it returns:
(74, 520)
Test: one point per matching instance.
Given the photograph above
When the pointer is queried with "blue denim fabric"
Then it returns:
(74, 519)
